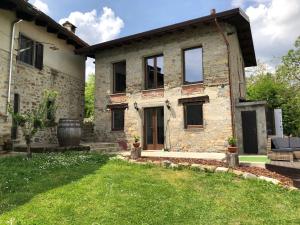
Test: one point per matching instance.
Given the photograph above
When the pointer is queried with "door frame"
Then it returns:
(156, 146)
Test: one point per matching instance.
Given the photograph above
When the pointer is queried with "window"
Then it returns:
(193, 115)
(117, 119)
(31, 52)
(119, 77)
(193, 69)
(154, 77)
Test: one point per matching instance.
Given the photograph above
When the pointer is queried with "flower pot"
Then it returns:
(232, 149)
(136, 144)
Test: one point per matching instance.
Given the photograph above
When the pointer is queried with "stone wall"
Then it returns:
(216, 113)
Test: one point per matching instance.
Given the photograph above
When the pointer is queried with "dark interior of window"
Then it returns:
(117, 119)
(193, 115)
(119, 77)
(26, 51)
(154, 72)
(193, 69)
(31, 52)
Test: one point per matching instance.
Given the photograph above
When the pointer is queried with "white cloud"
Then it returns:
(41, 6)
(93, 28)
(275, 26)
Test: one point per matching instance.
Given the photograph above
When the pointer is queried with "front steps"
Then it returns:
(103, 147)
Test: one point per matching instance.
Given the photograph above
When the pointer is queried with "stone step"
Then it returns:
(105, 150)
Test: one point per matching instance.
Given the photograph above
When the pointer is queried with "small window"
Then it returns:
(193, 115)
(117, 119)
(154, 77)
(119, 77)
(31, 52)
(193, 69)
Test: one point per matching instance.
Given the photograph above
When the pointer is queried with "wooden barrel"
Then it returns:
(69, 132)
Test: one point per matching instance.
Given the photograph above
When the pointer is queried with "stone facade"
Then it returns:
(216, 112)
(63, 71)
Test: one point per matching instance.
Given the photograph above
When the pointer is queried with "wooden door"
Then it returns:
(249, 126)
(154, 128)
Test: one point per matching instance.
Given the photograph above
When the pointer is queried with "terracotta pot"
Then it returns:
(232, 149)
(136, 144)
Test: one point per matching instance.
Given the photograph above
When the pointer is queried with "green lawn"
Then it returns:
(79, 188)
(259, 158)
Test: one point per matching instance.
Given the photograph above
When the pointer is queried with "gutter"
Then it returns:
(11, 62)
(213, 13)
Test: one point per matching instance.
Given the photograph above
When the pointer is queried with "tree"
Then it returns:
(290, 68)
(281, 89)
(32, 121)
(89, 96)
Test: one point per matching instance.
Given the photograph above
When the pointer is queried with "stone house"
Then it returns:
(42, 56)
(179, 87)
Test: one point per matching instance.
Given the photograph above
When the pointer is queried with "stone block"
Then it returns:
(269, 179)
(221, 170)
(249, 176)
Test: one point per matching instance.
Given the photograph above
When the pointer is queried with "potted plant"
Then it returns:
(136, 142)
(232, 145)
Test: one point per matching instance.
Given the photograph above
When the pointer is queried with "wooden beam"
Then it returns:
(7, 5)
(25, 16)
(52, 30)
(41, 23)
(62, 36)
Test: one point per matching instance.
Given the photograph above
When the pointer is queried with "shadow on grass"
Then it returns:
(21, 179)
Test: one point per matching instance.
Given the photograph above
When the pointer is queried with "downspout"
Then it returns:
(11, 62)
(213, 13)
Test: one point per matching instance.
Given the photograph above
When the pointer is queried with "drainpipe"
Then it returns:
(11, 61)
(213, 13)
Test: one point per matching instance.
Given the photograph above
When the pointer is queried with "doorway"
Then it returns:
(154, 128)
(249, 127)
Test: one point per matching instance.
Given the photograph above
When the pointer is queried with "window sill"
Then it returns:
(117, 131)
(194, 128)
(153, 89)
(118, 94)
(27, 65)
(192, 84)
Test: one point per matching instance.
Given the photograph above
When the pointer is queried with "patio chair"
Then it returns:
(281, 150)
(295, 145)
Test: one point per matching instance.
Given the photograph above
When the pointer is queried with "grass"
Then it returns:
(259, 158)
(77, 188)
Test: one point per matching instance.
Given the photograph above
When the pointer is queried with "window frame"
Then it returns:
(112, 119)
(187, 126)
(114, 77)
(184, 66)
(34, 52)
(155, 71)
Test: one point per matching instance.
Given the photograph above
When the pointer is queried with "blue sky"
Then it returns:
(275, 23)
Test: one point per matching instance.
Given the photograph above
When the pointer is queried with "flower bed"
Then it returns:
(260, 173)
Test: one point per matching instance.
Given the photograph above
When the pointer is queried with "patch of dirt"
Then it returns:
(249, 169)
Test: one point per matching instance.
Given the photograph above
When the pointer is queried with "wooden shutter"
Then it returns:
(39, 53)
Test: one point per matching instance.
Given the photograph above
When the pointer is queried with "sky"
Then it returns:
(275, 24)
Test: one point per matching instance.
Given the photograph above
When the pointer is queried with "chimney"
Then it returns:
(69, 26)
(212, 11)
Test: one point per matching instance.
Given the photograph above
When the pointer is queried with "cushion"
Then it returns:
(282, 150)
(280, 143)
(294, 142)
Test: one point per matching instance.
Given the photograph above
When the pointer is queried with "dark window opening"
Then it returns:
(117, 119)
(119, 77)
(31, 52)
(14, 129)
(193, 115)
(154, 77)
(193, 68)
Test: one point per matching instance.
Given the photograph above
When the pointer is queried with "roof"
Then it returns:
(235, 17)
(28, 12)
